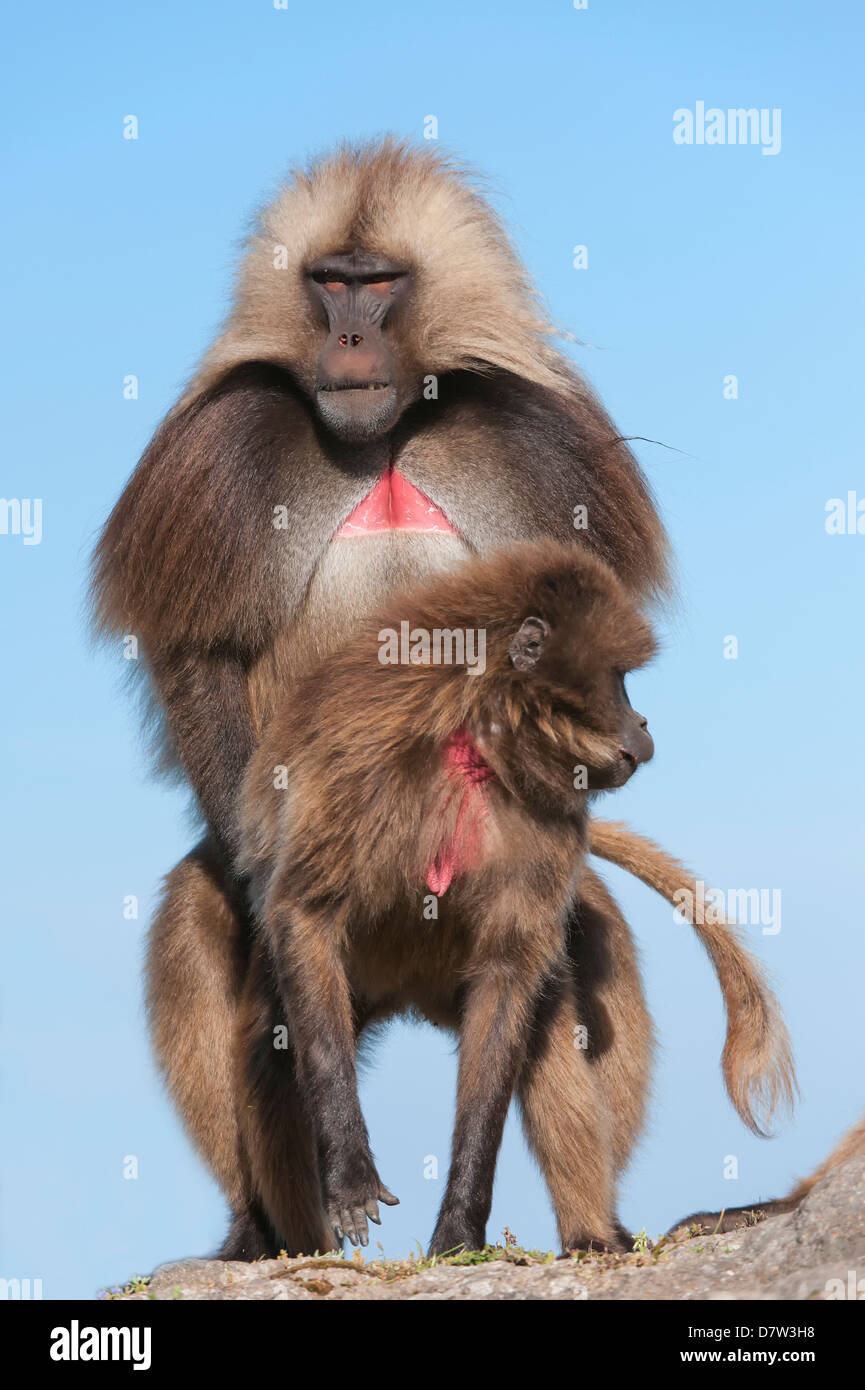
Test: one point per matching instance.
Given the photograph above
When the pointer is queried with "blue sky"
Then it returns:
(703, 261)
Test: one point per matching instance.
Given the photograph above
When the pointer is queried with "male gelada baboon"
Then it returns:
(396, 779)
(384, 400)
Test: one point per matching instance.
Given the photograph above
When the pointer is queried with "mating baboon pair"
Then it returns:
(384, 403)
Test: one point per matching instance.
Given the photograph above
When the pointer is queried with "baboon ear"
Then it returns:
(527, 646)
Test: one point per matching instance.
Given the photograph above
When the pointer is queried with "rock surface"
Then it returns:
(787, 1257)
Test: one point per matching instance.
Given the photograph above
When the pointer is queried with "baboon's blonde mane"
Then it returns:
(475, 307)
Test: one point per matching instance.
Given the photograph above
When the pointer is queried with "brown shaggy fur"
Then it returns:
(196, 519)
(474, 301)
(338, 850)
(757, 1059)
(232, 610)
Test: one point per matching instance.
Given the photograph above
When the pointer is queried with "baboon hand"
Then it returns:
(349, 1206)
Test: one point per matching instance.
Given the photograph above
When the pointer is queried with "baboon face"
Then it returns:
(363, 376)
(621, 727)
(558, 718)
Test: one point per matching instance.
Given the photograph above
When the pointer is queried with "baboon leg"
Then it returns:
(277, 1134)
(196, 960)
(516, 959)
(599, 1024)
(250, 1236)
(611, 1004)
(202, 999)
(315, 1074)
(567, 1125)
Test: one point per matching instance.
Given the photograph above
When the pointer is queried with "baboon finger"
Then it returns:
(357, 1228)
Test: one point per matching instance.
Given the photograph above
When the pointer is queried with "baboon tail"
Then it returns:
(852, 1145)
(757, 1060)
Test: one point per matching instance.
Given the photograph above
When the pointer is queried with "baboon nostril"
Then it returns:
(355, 339)
(644, 723)
(343, 340)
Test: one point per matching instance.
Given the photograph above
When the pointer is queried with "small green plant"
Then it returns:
(137, 1284)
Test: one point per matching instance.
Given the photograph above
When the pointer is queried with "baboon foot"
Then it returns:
(455, 1233)
(250, 1237)
(619, 1242)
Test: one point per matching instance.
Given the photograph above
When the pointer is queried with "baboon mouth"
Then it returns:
(629, 757)
(355, 386)
(356, 410)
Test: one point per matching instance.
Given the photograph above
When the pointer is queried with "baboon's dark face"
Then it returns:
(363, 376)
(576, 729)
(620, 726)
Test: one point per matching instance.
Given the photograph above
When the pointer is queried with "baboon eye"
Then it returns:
(382, 285)
(329, 279)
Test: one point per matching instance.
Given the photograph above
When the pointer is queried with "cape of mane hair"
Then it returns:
(475, 305)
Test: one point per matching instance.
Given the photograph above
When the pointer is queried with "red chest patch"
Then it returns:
(464, 764)
(395, 504)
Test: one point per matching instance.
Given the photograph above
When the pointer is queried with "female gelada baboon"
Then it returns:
(384, 401)
(379, 782)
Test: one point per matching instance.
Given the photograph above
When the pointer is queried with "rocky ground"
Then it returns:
(789, 1257)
